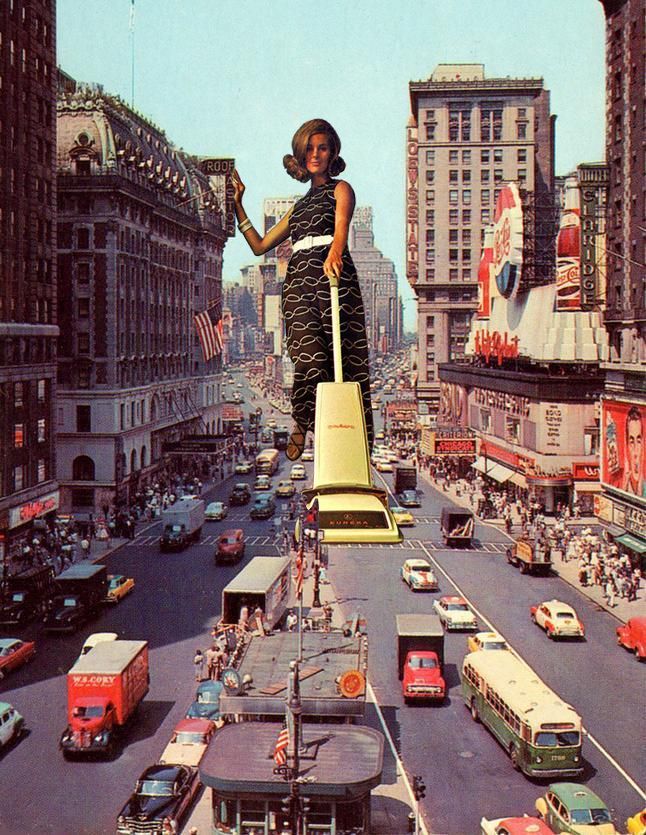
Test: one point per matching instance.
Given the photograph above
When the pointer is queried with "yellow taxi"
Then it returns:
(118, 587)
(486, 641)
(637, 824)
(402, 516)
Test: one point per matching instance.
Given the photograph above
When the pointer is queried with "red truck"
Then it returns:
(104, 688)
(420, 657)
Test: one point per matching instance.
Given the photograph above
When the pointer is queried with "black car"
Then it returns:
(66, 613)
(408, 498)
(264, 507)
(162, 796)
(241, 494)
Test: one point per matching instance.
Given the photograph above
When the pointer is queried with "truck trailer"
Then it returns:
(182, 523)
(104, 688)
(420, 657)
(405, 476)
(78, 595)
(264, 582)
(456, 526)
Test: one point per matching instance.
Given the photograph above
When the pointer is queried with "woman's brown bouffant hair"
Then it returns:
(295, 162)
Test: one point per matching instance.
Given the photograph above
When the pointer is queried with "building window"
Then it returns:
(83, 468)
(485, 216)
(466, 275)
(454, 216)
(522, 112)
(84, 377)
(453, 236)
(430, 216)
(522, 175)
(496, 195)
(42, 430)
(484, 156)
(521, 155)
(83, 418)
(430, 157)
(122, 416)
(466, 157)
(466, 236)
(466, 255)
(466, 216)
(453, 254)
(18, 435)
(497, 155)
(521, 130)
(42, 391)
(42, 470)
(512, 430)
(84, 343)
(485, 420)
(454, 274)
(485, 175)
(497, 175)
(83, 272)
(430, 340)
(430, 321)
(453, 175)
(430, 133)
(430, 196)
(19, 477)
(466, 176)
(83, 308)
(82, 238)
(453, 195)
(485, 195)
(18, 395)
(430, 256)
(466, 196)
(430, 177)
(453, 156)
(430, 115)
(430, 274)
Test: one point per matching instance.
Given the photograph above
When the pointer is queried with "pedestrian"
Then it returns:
(291, 621)
(244, 615)
(198, 663)
(610, 593)
(211, 662)
(318, 225)
(85, 548)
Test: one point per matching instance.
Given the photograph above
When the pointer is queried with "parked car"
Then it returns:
(409, 498)
(118, 587)
(262, 483)
(632, 636)
(515, 826)
(308, 455)
(207, 701)
(557, 619)
(418, 575)
(12, 723)
(486, 641)
(243, 467)
(161, 800)
(297, 472)
(576, 809)
(285, 490)
(384, 466)
(403, 517)
(189, 742)
(95, 638)
(230, 546)
(454, 612)
(241, 494)
(14, 653)
(264, 507)
(215, 511)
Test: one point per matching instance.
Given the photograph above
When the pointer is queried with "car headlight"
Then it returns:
(539, 759)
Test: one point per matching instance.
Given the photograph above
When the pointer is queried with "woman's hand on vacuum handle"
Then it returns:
(333, 266)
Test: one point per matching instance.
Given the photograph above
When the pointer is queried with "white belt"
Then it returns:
(310, 241)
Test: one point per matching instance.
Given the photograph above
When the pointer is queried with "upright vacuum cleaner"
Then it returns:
(350, 507)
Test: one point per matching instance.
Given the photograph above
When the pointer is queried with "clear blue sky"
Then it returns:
(237, 77)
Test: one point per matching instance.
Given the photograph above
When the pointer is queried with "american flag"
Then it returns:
(209, 329)
(282, 744)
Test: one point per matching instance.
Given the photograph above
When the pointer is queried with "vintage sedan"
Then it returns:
(515, 826)
(262, 483)
(161, 800)
(308, 455)
(418, 575)
(383, 466)
(297, 472)
(189, 742)
(12, 723)
(207, 701)
(632, 636)
(486, 641)
(454, 613)
(557, 619)
(409, 498)
(241, 494)
(636, 824)
(285, 490)
(576, 809)
(230, 546)
(14, 653)
(403, 517)
(215, 511)
(243, 467)
(118, 587)
(263, 507)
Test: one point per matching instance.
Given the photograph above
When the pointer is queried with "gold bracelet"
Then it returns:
(244, 225)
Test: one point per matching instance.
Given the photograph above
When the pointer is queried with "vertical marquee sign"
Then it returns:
(219, 172)
(412, 206)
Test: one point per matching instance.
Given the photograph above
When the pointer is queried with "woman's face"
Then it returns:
(318, 154)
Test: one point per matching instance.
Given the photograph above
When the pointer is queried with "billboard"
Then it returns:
(623, 465)
(508, 241)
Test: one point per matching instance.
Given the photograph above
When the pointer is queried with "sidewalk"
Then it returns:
(391, 800)
(568, 571)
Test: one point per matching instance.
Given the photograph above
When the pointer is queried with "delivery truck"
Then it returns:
(79, 592)
(405, 476)
(264, 582)
(457, 526)
(420, 657)
(182, 523)
(104, 688)
(531, 555)
(24, 595)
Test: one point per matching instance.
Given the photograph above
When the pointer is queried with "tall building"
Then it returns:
(273, 210)
(623, 406)
(140, 244)
(378, 281)
(467, 134)
(28, 323)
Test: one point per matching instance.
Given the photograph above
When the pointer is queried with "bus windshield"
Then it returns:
(557, 739)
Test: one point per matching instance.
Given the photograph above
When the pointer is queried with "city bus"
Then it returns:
(541, 733)
(267, 461)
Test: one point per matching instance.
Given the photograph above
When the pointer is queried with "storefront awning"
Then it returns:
(615, 531)
(519, 480)
(632, 543)
(500, 473)
(587, 487)
(484, 465)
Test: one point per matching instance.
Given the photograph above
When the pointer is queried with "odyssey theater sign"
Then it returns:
(32, 510)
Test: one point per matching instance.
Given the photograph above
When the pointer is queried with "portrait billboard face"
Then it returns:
(623, 460)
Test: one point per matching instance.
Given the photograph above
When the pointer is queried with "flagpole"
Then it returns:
(132, 54)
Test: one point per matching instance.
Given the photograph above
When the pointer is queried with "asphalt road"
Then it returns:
(175, 602)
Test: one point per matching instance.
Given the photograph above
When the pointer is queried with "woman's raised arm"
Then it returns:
(258, 245)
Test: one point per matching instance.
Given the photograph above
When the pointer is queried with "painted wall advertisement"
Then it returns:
(623, 464)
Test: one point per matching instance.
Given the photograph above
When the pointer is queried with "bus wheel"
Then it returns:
(474, 711)
(513, 754)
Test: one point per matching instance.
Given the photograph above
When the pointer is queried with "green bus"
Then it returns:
(541, 733)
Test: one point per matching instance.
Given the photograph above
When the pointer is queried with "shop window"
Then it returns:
(485, 420)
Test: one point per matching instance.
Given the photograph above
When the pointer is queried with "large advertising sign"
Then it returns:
(508, 241)
(219, 172)
(484, 275)
(412, 207)
(623, 464)
(568, 250)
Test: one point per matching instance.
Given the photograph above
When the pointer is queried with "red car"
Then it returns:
(515, 826)
(14, 653)
(632, 635)
(230, 546)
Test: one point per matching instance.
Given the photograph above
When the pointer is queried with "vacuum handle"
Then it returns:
(336, 329)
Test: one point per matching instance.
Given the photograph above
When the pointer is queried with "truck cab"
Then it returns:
(422, 678)
(173, 538)
(531, 556)
(420, 657)
(90, 727)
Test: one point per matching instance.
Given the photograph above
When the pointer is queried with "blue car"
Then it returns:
(207, 701)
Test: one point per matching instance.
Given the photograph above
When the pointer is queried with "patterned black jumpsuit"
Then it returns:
(306, 311)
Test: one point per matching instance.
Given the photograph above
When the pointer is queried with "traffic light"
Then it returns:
(419, 787)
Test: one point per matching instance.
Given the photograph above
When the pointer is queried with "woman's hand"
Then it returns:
(238, 187)
(333, 266)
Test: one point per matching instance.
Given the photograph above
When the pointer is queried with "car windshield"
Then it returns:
(551, 739)
(208, 697)
(18, 596)
(114, 583)
(177, 528)
(421, 568)
(566, 615)
(89, 712)
(590, 816)
(494, 645)
(418, 663)
(457, 607)
(188, 738)
(228, 540)
(155, 788)
(69, 601)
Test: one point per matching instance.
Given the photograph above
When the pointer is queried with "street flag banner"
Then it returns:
(209, 330)
(282, 744)
(300, 571)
